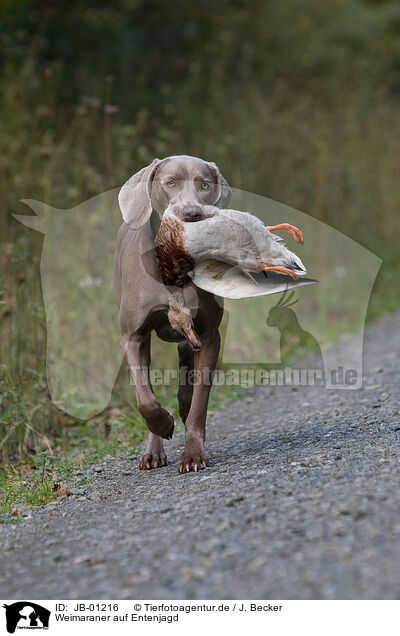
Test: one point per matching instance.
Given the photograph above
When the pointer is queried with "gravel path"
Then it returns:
(302, 500)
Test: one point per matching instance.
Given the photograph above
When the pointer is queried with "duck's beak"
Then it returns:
(192, 339)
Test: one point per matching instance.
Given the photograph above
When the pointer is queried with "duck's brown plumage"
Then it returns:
(172, 258)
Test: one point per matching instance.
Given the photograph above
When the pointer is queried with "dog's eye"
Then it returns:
(205, 185)
(171, 182)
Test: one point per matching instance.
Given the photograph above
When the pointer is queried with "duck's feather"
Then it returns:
(230, 282)
(237, 238)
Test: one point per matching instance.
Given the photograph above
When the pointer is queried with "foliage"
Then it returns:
(295, 101)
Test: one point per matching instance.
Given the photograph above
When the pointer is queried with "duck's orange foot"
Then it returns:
(286, 227)
(284, 270)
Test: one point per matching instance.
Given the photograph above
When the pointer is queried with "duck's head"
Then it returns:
(180, 319)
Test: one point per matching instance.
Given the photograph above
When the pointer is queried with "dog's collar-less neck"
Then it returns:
(155, 221)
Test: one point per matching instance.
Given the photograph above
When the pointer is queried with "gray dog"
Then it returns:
(189, 183)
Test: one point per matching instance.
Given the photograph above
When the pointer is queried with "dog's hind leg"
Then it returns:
(185, 391)
(158, 420)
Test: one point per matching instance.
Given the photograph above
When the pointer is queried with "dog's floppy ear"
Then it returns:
(225, 193)
(134, 197)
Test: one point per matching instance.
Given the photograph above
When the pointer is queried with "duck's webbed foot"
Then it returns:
(284, 270)
(286, 227)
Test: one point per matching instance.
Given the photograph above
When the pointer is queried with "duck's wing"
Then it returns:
(226, 281)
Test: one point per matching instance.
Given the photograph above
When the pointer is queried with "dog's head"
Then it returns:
(187, 182)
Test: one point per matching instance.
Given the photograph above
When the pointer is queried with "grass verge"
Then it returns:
(55, 466)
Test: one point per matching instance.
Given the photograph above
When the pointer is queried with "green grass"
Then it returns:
(47, 474)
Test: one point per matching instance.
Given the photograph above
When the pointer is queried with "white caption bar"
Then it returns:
(182, 617)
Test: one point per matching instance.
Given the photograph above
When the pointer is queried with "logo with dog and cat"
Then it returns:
(26, 615)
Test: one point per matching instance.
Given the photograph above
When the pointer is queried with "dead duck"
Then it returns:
(225, 252)
(228, 236)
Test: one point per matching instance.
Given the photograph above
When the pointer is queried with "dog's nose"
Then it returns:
(191, 213)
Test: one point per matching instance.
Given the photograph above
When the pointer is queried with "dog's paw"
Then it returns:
(152, 460)
(162, 424)
(193, 458)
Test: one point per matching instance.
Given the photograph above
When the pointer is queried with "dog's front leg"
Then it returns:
(185, 391)
(194, 457)
(159, 422)
(154, 455)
